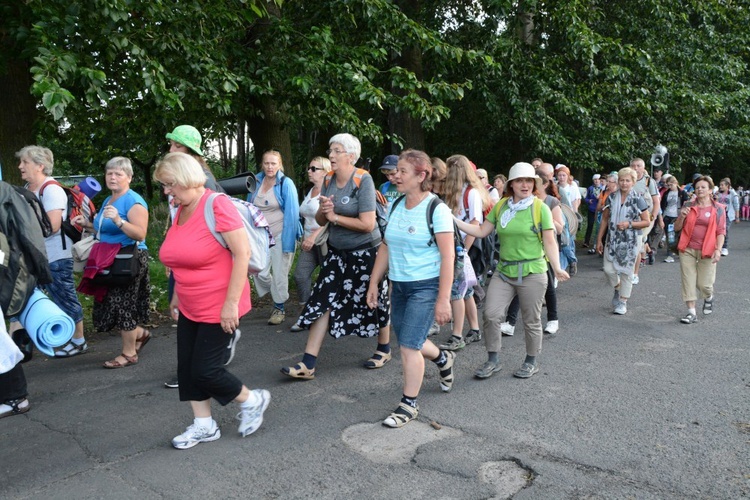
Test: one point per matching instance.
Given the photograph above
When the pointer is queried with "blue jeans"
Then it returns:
(413, 310)
(62, 290)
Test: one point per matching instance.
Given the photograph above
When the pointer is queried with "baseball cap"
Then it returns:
(389, 162)
(596, 176)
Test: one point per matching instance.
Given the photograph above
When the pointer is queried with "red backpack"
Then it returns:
(78, 204)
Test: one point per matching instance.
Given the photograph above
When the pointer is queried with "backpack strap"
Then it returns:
(210, 216)
(41, 190)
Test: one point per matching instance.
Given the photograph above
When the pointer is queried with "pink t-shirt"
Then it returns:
(201, 266)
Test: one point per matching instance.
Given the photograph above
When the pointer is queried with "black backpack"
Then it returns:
(37, 208)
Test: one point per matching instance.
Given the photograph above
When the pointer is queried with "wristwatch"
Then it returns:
(122, 221)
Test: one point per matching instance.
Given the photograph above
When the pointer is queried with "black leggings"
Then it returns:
(550, 297)
(13, 384)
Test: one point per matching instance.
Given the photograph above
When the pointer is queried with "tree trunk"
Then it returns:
(525, 24)
(18, 116)
(267, 131)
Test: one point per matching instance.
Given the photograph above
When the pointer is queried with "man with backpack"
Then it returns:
(36, 164)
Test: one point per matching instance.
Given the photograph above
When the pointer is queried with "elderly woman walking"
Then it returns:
(703, 226)
(624, 215)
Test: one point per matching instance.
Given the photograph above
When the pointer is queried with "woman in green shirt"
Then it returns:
(527, 234)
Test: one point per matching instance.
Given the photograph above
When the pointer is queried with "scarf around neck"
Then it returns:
(514, 208)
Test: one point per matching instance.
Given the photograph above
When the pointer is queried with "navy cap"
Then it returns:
(389, 162)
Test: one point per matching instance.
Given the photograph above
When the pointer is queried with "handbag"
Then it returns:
(81, 250)
(124, 269)
(321, 240)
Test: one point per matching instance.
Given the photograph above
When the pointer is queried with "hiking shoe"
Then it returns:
(70, 349)
(688, 319)
(277, 317)
(724, 252)
(669, 259)
(552, 327)
(526, 370)
(196, 434)
(616, 298)
(434, 329)
(621, 308)
(651, 258)
(487, 369)
(473, 336)
(446, 372)
(573, 269)
(251, 417)
(708, 306)
(507, 329)
(295, 328)
(453, 344)
(172, 383)
(636, 279)
(232, 344)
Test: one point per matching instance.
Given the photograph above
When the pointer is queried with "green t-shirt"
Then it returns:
(518, 241)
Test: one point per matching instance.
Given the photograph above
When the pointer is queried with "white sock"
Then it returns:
(80, 341)
(692, 311)
(207, 422)
(252, 400)
(709, 299)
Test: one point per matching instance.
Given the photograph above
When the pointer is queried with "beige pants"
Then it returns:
(625, 280)
(275, 277)
(530, 297)
(697, 273)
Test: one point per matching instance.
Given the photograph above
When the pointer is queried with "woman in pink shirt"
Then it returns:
(211, 293)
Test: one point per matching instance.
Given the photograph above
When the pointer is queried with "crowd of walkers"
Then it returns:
(422, 270)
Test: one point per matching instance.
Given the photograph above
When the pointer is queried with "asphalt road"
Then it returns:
(639, 406)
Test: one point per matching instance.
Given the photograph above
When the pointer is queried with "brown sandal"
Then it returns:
(129, 360)
(143, 339)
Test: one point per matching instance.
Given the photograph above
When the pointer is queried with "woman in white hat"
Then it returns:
(526, 233)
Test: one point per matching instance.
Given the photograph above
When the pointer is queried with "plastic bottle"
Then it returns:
(670, 234)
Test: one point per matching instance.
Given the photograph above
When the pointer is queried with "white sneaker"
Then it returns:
(669, 259)
(552, 327)
(507, 329)
(232, 345)
(724, 252)
(636, 279)
(434, 329)
(251, 417)
(196, 434)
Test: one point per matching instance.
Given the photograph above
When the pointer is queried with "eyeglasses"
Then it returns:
(336, 152)
(168, 185)
(314, 169)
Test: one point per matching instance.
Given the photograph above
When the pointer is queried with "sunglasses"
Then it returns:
(314, 169)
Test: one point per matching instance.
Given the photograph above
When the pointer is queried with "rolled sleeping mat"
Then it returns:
(48, 326)
(239, 184)
(90, 187)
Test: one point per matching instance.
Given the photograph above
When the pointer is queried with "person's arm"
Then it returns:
(680, 220)
(239, 246)
(136, 226)
(553, 254)
(475, 230)
(557, 219)
(656, 207)
(443, 309)
(291, 215)
(379, 268)
(602, 227)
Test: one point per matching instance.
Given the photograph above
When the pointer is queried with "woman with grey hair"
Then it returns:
(338, 302)
(36, 164)
(123, 219)
(624, 216)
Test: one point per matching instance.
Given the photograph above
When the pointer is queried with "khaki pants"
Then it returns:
(530, 297)
(275, 277)
(697, 273)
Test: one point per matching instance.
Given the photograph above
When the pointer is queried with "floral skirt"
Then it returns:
(124, 307)
(342, 288)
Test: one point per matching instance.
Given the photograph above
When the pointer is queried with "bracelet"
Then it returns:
(336, 221)
(120, 224)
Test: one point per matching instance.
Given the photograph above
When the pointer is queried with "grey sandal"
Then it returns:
(401, 416)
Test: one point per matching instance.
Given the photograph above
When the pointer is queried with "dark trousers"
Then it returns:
(590, 223)
(13, 384)
(550, 297)
(201, 353)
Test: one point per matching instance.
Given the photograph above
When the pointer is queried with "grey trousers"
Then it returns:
(530, 296)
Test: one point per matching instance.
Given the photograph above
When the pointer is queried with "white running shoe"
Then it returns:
(724, 252)
(195, 434)
(507, 329)
(636, 279)
(251, 417)
(552, 327)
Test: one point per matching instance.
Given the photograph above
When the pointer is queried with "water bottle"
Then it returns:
(459, 258)
(670, 234)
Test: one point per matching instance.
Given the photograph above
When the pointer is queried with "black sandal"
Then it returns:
(15, 407)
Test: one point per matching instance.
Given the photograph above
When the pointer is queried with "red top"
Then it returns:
(200, 265)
